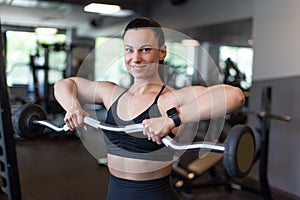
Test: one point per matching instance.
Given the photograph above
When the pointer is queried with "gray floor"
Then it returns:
(60, 168)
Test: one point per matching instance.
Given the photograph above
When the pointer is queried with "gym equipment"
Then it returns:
(264, 116)
(9, 174)
(41, 85)
(187, 176)
(233, 76)
(238, 150)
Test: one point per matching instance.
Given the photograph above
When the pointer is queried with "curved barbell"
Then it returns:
(238, 150)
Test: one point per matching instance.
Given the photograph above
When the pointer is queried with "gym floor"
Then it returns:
(61, 168)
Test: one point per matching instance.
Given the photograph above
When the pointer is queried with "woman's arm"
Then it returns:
(71, 92)
(208, 103)
(194, 104)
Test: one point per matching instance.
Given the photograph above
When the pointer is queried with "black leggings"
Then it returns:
(156, 189)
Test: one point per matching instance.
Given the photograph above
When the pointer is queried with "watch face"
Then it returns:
(173, 114)
(172, 111)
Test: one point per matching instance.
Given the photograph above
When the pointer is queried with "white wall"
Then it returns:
(276, 32)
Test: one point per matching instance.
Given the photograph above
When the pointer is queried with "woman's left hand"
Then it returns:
(157, 128)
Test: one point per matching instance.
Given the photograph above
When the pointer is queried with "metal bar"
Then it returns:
(9, 167)
(47, 124)
(196, 146)
(101, 125)
(168, 141)
(270, 115)
(264, 149)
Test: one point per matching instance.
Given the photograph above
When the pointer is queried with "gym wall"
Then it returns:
(276, 39)
(276, 63)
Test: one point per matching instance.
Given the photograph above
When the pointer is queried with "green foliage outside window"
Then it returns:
(21, 45)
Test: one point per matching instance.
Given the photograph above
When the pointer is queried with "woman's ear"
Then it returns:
(163, 52)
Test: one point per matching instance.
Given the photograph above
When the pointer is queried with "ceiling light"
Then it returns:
(28, 4)
(46, 31)
(101, 8)
(121, 13)
(190, 42)
(250, 42)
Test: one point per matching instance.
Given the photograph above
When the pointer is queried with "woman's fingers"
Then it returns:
(147, 132)
(156, 138)
(74, 118)
(150, 130)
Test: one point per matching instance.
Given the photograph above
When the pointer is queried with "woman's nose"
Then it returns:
(136, 57)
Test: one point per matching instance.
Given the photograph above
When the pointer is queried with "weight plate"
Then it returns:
(239, 151)
(22, 121)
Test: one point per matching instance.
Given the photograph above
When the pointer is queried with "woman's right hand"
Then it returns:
(74, 118)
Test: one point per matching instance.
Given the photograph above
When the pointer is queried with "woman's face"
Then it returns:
(142, 53)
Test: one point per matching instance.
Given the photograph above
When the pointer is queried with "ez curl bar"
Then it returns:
(30, 121)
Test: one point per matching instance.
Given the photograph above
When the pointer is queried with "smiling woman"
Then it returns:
(140, 165)
(142, 52)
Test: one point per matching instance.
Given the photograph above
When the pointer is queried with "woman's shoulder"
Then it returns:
(181, 95)
(167, 96)
(109, 91)
(109, 86)
(184, 90)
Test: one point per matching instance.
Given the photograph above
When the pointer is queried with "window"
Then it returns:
(180, 64)
(109, 62)
(22, 45)
(242, 57)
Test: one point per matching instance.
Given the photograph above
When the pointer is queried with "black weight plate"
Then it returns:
(22, 121)
(239, 151)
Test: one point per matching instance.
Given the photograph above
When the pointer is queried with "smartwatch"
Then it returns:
(173, 114)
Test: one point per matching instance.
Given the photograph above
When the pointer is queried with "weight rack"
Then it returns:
(8, 161)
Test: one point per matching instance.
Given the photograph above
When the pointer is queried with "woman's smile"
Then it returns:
(138, 66)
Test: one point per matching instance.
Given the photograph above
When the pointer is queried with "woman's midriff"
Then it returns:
(137, 169)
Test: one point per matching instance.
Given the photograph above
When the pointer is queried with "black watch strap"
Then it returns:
(173, 114)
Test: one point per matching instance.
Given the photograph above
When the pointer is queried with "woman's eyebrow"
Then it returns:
(146, 46)
(143, 46)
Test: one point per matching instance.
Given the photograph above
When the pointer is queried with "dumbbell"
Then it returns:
(238, 149)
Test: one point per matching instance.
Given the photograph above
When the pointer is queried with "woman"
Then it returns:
(139, 166)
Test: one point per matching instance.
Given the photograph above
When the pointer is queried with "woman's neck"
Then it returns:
(140, 87)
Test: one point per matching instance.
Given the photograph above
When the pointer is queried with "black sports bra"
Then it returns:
(134, 145)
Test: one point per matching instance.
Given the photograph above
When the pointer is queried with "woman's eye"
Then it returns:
(145, 50)
(128, 50)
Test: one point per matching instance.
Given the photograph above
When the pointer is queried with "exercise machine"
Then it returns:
(198, 167)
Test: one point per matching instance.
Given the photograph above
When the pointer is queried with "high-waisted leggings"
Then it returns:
(156, 189)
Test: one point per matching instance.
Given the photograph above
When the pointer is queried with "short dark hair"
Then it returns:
(145, 22)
